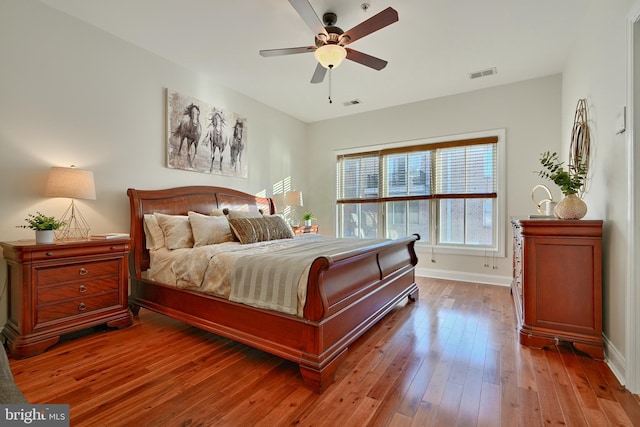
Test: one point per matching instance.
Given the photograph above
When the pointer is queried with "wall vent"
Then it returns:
(352, 102)
(483, 73)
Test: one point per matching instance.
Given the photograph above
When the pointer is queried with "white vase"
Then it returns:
(45, 236)
(571, 207)
(307, 222)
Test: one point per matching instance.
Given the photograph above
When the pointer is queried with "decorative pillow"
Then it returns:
(209, 230)
(176, 230)
(231, 214)
(216, 212)
(153, 233)
(252, 230)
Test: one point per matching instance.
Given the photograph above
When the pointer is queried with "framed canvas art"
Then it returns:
(204, 138)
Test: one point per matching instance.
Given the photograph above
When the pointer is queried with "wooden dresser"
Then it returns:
(557, 283)
(63, 287)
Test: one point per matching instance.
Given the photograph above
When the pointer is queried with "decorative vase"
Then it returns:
(307, 222)
(571, 207)
(45, 236)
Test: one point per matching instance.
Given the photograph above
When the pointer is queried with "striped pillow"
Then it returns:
(252, 230)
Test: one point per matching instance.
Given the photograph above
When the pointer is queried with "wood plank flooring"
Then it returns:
(452, 359)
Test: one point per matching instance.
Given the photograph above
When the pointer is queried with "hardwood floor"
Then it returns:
(452, 359)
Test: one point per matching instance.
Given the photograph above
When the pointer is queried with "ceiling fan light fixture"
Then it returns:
(330, 55)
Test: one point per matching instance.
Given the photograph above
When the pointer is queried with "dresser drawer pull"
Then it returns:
(83, 289)
(82, 307)
(84, 271)
(49, 254)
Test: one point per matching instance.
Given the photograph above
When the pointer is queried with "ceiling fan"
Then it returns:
(330, 41)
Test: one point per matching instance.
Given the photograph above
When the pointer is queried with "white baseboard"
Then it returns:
(488, 279)
(615, 360)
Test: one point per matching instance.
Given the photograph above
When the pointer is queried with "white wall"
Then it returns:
(530, 113)
(72, 94)
(596, 70)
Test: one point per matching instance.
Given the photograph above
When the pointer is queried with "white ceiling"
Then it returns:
(431, 49)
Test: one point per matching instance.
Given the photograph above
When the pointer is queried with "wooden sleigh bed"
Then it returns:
(346, 294)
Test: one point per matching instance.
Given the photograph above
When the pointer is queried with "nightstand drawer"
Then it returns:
(313, 229)
(76, 307)
(87, 270)
(84, 288)
(61, 251)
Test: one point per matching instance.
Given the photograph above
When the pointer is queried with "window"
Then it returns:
(446, 191)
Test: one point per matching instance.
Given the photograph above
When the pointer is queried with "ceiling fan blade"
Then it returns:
(309, 16)
(318, 74)
(373, 24)
(367, 60)
(287, 51)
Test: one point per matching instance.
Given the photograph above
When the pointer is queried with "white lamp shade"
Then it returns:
(70, 182)
(330, 55)
(293, 198)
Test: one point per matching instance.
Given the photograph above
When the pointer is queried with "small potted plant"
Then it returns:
(43, 225)
(308, 217)
(570, 181)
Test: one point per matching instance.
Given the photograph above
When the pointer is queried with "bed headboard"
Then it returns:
(178, 201)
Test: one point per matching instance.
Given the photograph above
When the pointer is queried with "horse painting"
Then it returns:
(214, 137)
(194, 123)
(189, 129)
(237, 144)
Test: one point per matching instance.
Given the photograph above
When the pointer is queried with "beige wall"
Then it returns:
(529, 111)
(596, 70)
(71, 94)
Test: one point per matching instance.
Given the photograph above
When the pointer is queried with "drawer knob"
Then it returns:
(82, 307)
(49, 253)
(83, 289)
(83, 271)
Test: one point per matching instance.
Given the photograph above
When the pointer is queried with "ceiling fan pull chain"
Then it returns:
(330, 68)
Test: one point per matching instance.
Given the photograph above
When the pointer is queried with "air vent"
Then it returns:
(483, 73)
(352, 102)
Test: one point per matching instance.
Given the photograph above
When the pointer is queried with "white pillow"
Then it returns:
(209, 230)
(153, 233)
(176, 230)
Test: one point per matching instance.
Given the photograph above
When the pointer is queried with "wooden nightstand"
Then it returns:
(306, 229)
(63, 287)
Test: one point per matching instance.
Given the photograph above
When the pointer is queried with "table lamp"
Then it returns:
(72, 183)
(293, 199)
(278, 199)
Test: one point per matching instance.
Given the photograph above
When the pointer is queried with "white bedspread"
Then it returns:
(262, 279)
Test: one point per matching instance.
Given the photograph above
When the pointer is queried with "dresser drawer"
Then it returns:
(80, 306)
(83, 288)
(85, 270)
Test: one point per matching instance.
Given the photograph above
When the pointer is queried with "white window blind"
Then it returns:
(454, 169)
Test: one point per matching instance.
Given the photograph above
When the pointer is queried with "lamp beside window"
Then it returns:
(72, 183)
(293, 199)
(278, 200)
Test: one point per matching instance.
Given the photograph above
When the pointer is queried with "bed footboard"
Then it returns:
(349, 295)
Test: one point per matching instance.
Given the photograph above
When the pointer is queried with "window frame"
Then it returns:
(499, 246)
